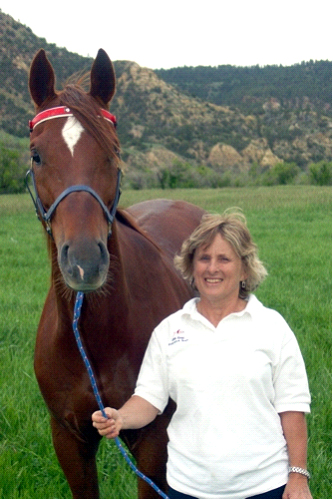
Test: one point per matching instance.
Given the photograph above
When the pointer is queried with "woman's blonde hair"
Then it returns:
(232, 227)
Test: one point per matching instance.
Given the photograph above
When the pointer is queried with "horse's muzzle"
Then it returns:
(84, 265)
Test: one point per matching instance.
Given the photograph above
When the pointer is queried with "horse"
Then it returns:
(121, 259)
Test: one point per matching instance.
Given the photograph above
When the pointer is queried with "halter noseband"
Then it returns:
(63, 112)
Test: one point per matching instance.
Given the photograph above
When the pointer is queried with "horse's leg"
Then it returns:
(151, 455)
(151, 461)
(77, 460)
(155, 469)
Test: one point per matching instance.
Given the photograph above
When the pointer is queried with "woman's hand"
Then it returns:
(110, 426)
(297, 487)
(136, 413)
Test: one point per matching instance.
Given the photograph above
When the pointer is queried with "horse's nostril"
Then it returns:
(104, 251)
(64, 251)
(64, 254)
(64, 259)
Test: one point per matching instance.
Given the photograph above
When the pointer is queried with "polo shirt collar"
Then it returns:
(190, 308)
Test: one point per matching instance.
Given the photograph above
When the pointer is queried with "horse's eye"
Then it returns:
(36, 158)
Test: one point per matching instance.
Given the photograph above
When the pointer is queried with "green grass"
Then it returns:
(292, 227)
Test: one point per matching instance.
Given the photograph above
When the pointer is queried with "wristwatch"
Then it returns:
(304, 472)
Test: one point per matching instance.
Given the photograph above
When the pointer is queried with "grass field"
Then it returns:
(292, 227)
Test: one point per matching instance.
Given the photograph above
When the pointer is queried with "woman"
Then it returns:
(236, 373)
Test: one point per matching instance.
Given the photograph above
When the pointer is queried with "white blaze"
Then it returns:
(72, 132)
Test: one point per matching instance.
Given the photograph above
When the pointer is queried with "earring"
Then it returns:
(243, 284)
(193, 285)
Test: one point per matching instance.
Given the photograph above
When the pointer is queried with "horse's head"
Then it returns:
(75, 168)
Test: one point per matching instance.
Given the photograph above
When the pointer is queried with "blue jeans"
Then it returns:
(277, 493)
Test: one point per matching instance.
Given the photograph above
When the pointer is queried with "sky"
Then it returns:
(165, 34)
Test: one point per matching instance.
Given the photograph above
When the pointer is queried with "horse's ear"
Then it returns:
(103, 80)
(41, 79)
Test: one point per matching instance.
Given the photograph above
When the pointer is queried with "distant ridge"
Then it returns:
(248, 88)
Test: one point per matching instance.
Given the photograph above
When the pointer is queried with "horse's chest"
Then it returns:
(65, 383)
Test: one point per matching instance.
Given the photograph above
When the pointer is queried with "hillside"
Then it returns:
(17, 47)
(168, 118)
(301, 86)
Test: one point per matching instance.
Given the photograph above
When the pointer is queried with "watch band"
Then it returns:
(299, 470)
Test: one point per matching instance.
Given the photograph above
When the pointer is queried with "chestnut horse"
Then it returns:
(128, 276)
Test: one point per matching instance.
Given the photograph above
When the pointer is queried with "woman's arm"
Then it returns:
(295, 432)
(136, 413)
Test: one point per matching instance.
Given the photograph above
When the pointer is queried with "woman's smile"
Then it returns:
(213, 280)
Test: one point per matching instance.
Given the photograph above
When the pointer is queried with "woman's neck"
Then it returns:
(215, 311)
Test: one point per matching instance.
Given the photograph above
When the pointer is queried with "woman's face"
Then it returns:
(217, 271)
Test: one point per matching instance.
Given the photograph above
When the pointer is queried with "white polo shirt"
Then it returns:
(229, 383)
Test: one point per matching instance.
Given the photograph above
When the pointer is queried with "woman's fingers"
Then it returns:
(106, 426)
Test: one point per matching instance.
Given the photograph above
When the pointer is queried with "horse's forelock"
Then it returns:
(87, 110)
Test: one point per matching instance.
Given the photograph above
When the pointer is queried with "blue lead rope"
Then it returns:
(77, 313)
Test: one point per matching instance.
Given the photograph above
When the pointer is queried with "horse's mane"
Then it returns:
(87, 110)
(128, 220)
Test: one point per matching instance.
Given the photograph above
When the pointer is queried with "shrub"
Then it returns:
(321, 173)
(281, 173)
(11, 171)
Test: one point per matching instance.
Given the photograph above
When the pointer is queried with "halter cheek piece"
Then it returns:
(61, 112)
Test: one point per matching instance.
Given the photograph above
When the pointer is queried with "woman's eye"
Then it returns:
(204, 257)
(36, 158)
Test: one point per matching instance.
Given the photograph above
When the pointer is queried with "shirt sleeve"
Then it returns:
(290, 378)
(152, 382)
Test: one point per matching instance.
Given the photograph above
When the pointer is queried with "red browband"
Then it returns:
(62, 112)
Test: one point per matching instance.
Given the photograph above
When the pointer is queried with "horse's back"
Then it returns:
(167, 222)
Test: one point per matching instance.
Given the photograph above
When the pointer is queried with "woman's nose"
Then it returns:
(212, 265)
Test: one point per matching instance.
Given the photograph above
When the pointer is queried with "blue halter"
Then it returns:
(62, 112)
(47, 215)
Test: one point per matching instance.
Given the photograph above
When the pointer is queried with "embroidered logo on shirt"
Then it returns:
(178, 337)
